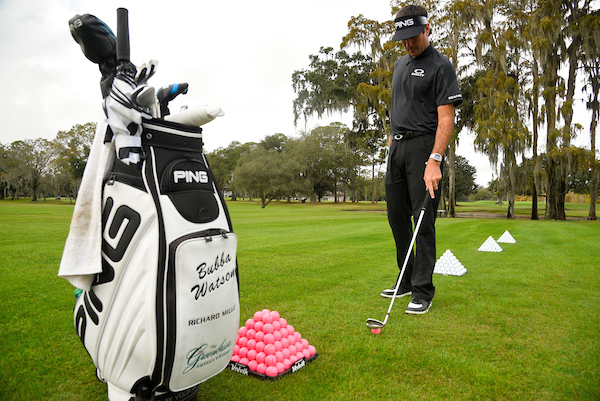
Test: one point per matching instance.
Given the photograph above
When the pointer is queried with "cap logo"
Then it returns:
(405, 23)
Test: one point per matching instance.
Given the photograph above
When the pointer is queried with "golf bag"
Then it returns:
(163, 314)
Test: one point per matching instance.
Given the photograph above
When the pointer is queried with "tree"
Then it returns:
(329, 84)
(591, 63)
(265, 173)
(223, 162)
(32, 156)
(70, 154)
(501, 133)
(465, 177)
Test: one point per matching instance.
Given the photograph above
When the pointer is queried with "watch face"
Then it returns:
(436, 156)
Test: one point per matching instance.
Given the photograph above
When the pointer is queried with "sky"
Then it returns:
(234, 54)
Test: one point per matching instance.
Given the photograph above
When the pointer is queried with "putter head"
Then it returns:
(374, 324)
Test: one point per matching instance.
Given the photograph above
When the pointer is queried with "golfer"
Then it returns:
(424, 94)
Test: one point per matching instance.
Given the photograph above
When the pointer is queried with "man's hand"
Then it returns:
(432, 177)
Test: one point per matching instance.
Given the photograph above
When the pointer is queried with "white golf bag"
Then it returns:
(163, 315)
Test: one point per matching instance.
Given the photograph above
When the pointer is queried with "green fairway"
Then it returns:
(522, 324)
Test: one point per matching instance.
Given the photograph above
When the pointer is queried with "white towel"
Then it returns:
(82, 256)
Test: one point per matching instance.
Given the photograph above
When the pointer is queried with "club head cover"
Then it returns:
(98, 43)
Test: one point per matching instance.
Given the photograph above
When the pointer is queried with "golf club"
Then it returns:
(377, 324)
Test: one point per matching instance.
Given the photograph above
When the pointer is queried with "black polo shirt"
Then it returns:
(419, 86)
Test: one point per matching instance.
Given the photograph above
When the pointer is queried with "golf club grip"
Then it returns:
(426, 201)
(122, 35)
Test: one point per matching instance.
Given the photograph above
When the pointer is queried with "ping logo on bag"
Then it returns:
(189, 176)
(190, 186)
(186, 175)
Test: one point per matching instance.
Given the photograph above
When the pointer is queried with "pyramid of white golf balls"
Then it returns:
(490, 245)
(507, 238)
(448, 265)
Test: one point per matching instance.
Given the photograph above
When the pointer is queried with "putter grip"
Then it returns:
(122, 35)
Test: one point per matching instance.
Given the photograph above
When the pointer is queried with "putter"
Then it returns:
(377, 324)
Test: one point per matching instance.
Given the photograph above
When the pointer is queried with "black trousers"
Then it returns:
(405, 193)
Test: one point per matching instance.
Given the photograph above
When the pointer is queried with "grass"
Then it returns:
(522, 324)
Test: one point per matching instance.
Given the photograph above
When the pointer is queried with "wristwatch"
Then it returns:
(436, 156)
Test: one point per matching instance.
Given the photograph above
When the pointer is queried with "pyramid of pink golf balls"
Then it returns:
(269, 346)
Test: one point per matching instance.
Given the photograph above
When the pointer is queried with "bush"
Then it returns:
(482, 194)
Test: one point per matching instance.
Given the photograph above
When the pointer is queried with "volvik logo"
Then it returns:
(200, 177)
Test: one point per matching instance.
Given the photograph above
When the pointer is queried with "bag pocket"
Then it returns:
(202, 307)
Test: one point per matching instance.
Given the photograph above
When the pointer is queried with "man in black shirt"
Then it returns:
(424, 94)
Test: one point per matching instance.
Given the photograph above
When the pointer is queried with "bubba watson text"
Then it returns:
(204, 270)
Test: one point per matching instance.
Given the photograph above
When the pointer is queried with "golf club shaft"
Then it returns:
(409, 252)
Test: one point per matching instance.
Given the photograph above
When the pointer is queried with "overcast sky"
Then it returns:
(235, 54)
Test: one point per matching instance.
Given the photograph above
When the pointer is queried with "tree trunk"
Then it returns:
(594, 180)
(452, 180)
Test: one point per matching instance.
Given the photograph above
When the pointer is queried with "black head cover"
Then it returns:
(98, 44)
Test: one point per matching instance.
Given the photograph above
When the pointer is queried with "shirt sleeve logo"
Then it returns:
(418, 72)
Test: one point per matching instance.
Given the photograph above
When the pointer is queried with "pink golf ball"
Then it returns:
(243, 352)
(244, 361)
(267, 318)
(251, 344)
(261, 368)
(253, 365)
(260, 357)
(265, 311)
(293, 358)
(250, 333)
(287, 363)
(286, 353)
(275, 315)
(268, 339)
(280, 367)
(258, 326)
(298, 336)
(312, 350)
(259, 336)
(375, 331)
(250, 323)
(242, 331)
(276, 325)
(236, 349)
(270, 349)
(306, 353)
(284, 332)
(279, 356)
(285, 342)
(260, 346)
(290, 329)
(283, 322)
(270, 360)
(271, 371)
(268, 328)
(305, 343)
(299, 355)
(278, 345)
(251, 355)
(292, 349)
(243, 341)
(235, 358)
(258, 316)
